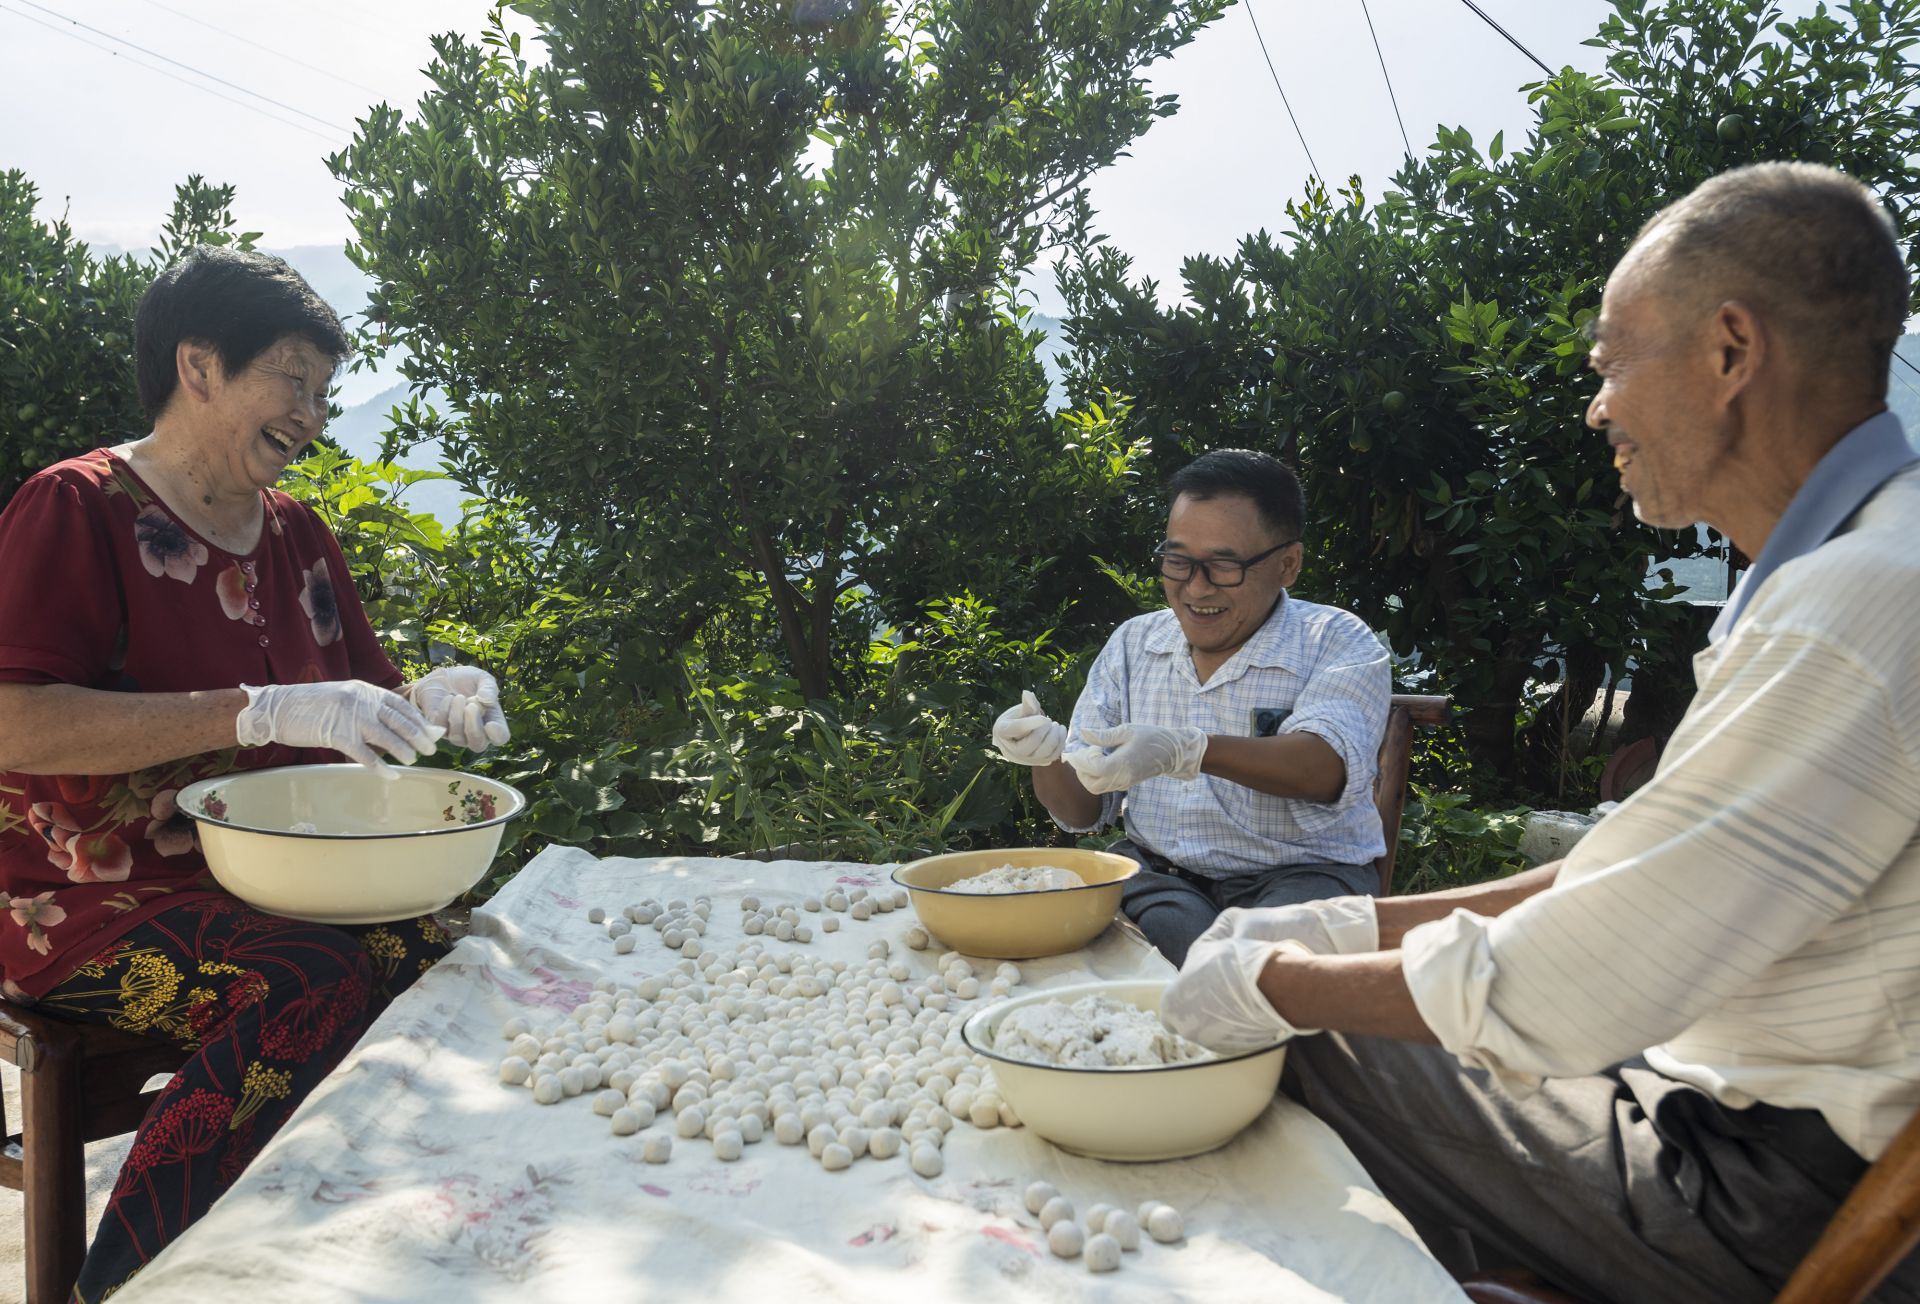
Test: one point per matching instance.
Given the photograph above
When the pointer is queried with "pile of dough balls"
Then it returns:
(1108, 1231)
(850, 1060)
(680, 925)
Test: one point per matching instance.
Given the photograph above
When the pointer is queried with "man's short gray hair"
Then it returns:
(1808, 247)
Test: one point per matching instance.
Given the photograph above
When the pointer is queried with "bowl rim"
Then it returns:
(1038, 891)
(980, 1016)
(517, 804)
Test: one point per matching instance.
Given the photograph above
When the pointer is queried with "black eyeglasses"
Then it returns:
(1221, 572)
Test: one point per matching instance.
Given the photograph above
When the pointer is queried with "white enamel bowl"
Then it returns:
(1134, 1115)
(382, 849)
(1017, 925)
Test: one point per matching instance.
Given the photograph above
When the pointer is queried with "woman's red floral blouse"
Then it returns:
(102, 587)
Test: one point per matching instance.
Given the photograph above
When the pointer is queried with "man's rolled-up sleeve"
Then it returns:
(1780, 801)
(1344, 704)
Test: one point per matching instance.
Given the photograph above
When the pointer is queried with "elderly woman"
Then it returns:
(165, 615)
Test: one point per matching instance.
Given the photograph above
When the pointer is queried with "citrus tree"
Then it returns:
(1421, 357)
(723, 292)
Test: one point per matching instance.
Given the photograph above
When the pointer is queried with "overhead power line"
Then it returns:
(1511, 38)
(154, 68)
(259, 45)
(155, 54)
(1283, 96)
(1391, 97)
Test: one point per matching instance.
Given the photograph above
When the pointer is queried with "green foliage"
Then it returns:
(1421, 358)
(66, 325)
(724, 292)
(1446, 841)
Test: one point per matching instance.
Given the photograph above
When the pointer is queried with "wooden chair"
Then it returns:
(78, 1083)
(1396, 755)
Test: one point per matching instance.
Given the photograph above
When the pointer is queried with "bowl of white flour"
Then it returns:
(1091, 1068)
(1017, 903)
(339, 844)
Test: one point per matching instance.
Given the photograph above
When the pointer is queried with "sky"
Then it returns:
(106, 130)
(106, 139)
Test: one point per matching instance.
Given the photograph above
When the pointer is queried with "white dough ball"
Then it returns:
(1166, 1225)
(515, 1070)
(788, 1130)
(690, 1122)
(625, 1122)
(1097, 1217)
(656, 1148)
(605, 1102)
(623, 945)
(1038, 1193)
(835, 1157)
(751, 1128)
(1065, 1238)
(1103, 1253)
(642, 1109)
(1058, 1209)
(596, 915)
(830, 924)
(726, 1147)
(515, 1028)
(986, 1111)
(811, 905)
(1124, 1228)
(884, 1143)
(967, 988)
(573, 1080)
(861, 910)
(546, 1089)
(917, 938)
(926, 1161)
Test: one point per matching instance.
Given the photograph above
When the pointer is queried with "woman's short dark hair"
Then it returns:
(1265, 479)
(238, 302)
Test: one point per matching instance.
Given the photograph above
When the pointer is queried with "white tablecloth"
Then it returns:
(411, 1174)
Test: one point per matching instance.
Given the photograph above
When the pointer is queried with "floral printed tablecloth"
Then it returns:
(412, 1174)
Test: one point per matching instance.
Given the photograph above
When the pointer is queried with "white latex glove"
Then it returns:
(1139, 752)
(1336, 926)
(350, 716)
(1026, 736)
(1216, 998)
(465, 701)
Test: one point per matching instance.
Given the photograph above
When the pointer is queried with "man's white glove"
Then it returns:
(1345, 925)
(1139, 752)
(1026, 736)
(350, 716)
(465, 701)
(1216, 999)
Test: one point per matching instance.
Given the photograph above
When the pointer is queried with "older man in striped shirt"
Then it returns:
(1240, 725)
(1651, 1071)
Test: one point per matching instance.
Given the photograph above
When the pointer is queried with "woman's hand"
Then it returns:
(464, 701)
(349, 716)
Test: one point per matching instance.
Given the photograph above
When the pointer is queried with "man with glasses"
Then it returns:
(1239, 725)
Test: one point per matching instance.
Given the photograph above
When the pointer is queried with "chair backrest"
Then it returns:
(1872, 1231)
(1396, 755)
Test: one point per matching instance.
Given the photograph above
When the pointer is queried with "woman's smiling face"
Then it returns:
(266, 414)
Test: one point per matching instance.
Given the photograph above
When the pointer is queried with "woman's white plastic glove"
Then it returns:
(465, 701)
(1026, 736)
(349, 716)
(1216, 999)
(1139, 752)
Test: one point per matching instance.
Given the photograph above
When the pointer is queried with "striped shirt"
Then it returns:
(1752, 915)
(1308, 669)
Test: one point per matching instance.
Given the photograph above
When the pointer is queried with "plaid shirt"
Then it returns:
(1309, 669)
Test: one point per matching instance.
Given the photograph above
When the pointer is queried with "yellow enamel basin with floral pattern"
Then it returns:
(338, 844)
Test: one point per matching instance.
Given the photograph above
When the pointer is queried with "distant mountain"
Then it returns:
(1903, 390)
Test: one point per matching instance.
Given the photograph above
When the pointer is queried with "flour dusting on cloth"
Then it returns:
(1094, 1032)
(1008, 878)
